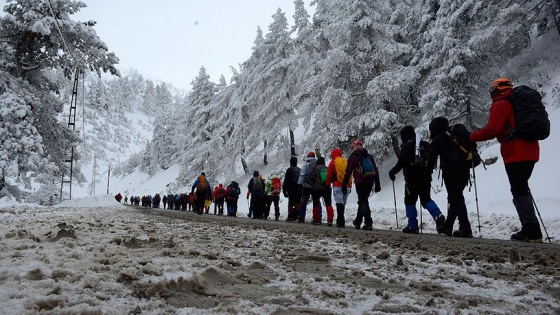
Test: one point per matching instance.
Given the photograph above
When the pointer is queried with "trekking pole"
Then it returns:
(544, 228)
(395, 199)
(420, 210)
(476, 196)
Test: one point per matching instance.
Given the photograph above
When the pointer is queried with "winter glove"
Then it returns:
(286, 194)
(392, 175)
(377, 188)
(344, 189)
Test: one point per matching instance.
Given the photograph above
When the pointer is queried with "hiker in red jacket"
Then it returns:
(519, 157)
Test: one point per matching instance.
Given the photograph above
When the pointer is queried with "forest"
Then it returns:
(355, 69)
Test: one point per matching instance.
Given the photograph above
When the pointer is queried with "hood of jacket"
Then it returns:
(336, 152)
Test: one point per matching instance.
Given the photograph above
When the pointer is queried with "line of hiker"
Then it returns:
(453, 145)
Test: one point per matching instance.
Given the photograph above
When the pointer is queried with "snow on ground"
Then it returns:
(84, 259)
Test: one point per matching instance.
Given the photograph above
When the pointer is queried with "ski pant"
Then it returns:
(231, 207)
(317, 213)
(199, 203)
(418, 188)
(306, 193)
(518, 174)
(269, 201)
(455, 180)
(219, 206)
(257, 206)
(363, 190)
(294, 200)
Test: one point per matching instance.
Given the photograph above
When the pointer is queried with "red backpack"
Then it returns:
(221, 193)
(276, 186)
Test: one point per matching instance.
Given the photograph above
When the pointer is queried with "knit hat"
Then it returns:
(255, 173)
(438, 126)
(356, 145)
(293, 161)
(500, 85)
(311, 154)
(407, 133)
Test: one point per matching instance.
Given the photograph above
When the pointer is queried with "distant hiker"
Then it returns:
(203, 188)
(305, 184)
(118, 197)
(219, 196)
(455, 173)
(362, 167)
(184, 201)
(256, 191)
(191, 199)
(519, 156)
(156, 200)
(232, 196)
(321, 190)
(177, 202)
(335, 177)
(126, 199)
(164, 200)
(412, 160)
(272, 191)
(291, 190)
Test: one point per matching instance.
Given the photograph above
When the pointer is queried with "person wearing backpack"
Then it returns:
(412, 161)
(455, 172)
(321, 190)
(219, 196)
(335, 176)
(203, 188)
(291, 189)
(362, 167)
(272, 191)
(519, 154)
(232, 196)
(256, 191)
(305, 184)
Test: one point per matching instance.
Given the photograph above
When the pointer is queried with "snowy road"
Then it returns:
(137, 260)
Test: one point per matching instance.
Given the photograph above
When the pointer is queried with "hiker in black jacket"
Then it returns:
(455, 174)
(412, 160)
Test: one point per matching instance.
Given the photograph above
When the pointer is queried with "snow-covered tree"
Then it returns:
(38, 36)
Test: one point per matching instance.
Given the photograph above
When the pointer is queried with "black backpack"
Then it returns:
(465, 150)
(420, 154)
(295, 174)
(531, 118)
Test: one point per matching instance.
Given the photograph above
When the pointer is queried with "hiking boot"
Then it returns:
(528, 233)
(300, 221)
(367, 227)
(440, 220)
(340, 225)
(409, 230)
(462, 234)
(277, 218)
(329, 223)
(356, 226)
(316, 223)
(447, 232)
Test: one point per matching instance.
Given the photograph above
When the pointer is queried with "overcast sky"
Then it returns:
(169, 40)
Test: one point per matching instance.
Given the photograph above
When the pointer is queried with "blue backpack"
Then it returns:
(366, 168)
